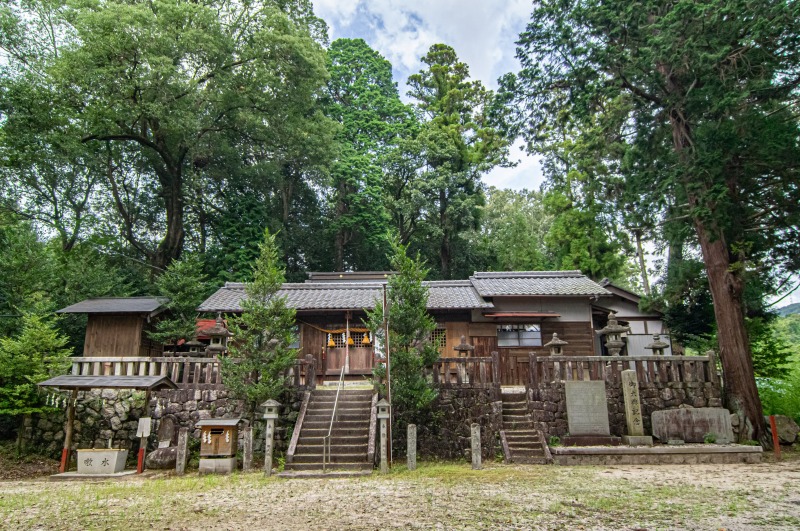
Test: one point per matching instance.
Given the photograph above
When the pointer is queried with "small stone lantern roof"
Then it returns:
(657, 346)
(556, 345)
(464, 348)
(613, 332)
(218, 330)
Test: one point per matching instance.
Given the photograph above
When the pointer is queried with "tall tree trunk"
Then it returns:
(171, 246)
(642, 268)
(727, 289)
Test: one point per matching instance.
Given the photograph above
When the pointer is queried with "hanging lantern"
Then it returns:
(365, 341)
(331, 344)
(350, 341)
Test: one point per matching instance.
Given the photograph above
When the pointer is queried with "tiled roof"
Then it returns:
(442, 295)
(535, 283)
(347, 296)
(117, 305)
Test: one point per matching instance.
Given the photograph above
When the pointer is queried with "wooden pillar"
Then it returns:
(65, 453)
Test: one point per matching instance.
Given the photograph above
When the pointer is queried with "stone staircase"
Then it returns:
(521, 442)
(349, 449)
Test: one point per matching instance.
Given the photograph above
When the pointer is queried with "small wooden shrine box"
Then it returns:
(218, 437)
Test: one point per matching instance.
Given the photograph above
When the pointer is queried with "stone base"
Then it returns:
(219, 465)
(690, 454)
(73, 476)
(637, 440)
(101, 461)
(590, 440)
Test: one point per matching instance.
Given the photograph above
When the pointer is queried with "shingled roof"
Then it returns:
(535, 283)
(457, 294)
(117, 305)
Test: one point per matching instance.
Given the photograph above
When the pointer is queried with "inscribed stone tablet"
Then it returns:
(587, 409)
(144, 427)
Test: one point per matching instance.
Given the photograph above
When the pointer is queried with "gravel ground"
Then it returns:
(436, 496)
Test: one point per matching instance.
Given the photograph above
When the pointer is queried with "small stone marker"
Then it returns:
(383, 416)
(247, 450)
(633, 411)
(411, 450)
(271, 414)
(183, 445)
(476, 446)
(587, 408)
(143, 429)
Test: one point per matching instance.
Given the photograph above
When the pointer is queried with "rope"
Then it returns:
(335, 330)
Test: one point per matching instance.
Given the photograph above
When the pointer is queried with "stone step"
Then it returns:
(340, 417)
(336, 449)
(333, 458)
(525, 445)
(513, 397)
(526, 452)
(514, 441)
(325, 423)
(319, 392)
(352, 440)
(338, 431)
(355, 465)
(330, 400)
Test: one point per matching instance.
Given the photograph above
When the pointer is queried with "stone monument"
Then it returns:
(633, 411)
(587, 414)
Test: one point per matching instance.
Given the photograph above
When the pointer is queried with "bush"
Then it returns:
(781, 396)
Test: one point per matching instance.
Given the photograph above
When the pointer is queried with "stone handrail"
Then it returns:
(649, 369)
(186, 372)
(466, 372)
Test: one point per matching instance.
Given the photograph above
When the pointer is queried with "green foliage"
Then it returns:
(781, 396)
(411, 351)
(363, 98)
(457, 143)
(33, 354)
(184, 285)
(710, 438)
(259, 352)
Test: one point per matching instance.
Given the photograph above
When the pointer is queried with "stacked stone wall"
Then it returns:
(548, 408)
(113, 415)
(449, 437)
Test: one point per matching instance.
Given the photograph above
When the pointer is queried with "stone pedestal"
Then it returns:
(637, 440)
(219, 465)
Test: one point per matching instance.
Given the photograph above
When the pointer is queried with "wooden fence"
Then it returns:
(483, 372)
(649, 369)
(186, 372)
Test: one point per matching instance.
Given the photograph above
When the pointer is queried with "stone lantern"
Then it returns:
(271, 409)
(383, 409)
(219, 338)
(194, 347)
(657, 346)
(613, 332)
(556, 345)
(464, 348)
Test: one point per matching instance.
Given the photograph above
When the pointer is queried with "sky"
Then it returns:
(481, 32)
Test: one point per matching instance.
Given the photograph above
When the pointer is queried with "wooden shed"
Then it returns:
(118, 326)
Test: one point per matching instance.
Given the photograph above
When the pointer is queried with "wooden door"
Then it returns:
(514, 366)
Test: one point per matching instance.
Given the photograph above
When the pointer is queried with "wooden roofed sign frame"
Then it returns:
(76, 383)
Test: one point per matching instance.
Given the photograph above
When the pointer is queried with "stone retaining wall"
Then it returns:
(547, 403)
(103, 415)
(450, 438)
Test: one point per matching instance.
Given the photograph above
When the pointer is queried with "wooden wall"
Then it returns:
(312, 341)
(113, 335)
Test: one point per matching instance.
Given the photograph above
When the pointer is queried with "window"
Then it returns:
(528, 335)
(438, 338)
(339, 339)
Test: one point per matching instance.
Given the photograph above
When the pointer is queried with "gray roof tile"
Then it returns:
(535, 283)
(347, 296)
(117, 305)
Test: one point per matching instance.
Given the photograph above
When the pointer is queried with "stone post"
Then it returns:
(476, 446)
(183, 447)
(411, 450)
(271, 409)
(633, 411)
(383, 415)
(247, 450)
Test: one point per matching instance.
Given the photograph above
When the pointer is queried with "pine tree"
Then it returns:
(260, 350)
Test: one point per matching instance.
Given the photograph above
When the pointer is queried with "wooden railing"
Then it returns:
(185, 372)
(649, 369)
(467, 372)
